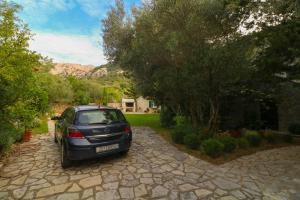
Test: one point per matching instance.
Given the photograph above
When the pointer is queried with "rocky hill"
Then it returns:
(78, 70)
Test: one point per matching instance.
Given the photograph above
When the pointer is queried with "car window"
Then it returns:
(99, 117)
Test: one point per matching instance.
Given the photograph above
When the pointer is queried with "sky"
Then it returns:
(68, 31)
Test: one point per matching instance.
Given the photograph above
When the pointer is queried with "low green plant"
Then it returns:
(229, 143)
(212, 147)
(180, 131)
(243, 143)
(9, 135)
(191, 141)
(167, 117)
(253, 138)
(177, 136)
(294, 128)
(287, 138)
(270, 137)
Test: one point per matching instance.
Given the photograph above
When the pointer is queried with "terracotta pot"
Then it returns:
(27, 135)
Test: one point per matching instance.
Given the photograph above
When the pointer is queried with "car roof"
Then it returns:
(91, 107)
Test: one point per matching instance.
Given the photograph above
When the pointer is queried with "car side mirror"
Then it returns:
(56, 118)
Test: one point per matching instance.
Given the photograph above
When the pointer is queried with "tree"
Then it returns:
(22, 97)
(17, 63)
(191, 55)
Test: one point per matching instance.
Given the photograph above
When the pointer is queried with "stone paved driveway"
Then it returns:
(153, 169)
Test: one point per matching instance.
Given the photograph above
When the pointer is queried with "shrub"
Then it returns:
(212, 147)
(243, 143)
(229, 143)
(253, 138)
(9, 135)
(294, 128)
(191, 141)
(270, 137)
(287, 138)
(235, 133)
(179, 132)
(167, 117)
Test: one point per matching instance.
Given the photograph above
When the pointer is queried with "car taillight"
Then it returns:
(73, 133)
(127, 129)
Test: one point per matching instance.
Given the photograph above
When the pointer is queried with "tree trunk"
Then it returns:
(214, 115)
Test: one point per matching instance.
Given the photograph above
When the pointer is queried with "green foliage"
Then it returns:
(167, 117)
(23, 98)
(41, 126)
(253, 138)
(190, 55)
(191, 141)
(59, 89)
(270, 136)
(180, 131)
(212, 147)
(178, 136)
(229, 143)
(243, 143)
(9, 135)
(294, 128)
(288, 138)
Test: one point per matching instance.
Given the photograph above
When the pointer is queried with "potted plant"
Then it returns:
(27, 135)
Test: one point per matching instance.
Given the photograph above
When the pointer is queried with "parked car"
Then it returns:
(85, 132)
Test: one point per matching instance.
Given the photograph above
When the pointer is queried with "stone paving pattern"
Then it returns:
(153, 169)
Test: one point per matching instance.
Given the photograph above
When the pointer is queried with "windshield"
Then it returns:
(88, 117)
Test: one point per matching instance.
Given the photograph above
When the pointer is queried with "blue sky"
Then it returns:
(68, 30)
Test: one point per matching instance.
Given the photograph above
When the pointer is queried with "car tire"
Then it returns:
(124, 152)
(65, 162)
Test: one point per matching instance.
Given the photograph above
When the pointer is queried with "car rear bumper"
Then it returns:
(81, 152)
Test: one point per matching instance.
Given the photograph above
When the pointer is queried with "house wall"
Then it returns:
(142, 104)
(124, 107)
(115, 105)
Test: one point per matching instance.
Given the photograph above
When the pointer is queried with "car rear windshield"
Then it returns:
(89, 117)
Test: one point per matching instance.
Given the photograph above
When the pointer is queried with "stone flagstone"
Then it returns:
(153, 169)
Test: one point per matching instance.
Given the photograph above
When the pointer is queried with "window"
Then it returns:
(152, 104)
(99, 117)
(130, 105)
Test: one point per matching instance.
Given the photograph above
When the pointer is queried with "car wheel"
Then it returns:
(124, 152)
(65, 162)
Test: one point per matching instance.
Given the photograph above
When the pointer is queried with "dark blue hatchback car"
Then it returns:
(85, 132)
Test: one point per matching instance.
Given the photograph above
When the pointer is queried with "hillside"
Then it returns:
(78, 70)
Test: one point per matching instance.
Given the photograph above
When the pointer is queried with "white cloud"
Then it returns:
(68, 48)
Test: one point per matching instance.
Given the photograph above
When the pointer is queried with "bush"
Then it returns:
(180, 131)
(294, 128)
(177, 135)
(212, 147)
(229, 143)
(287, 138)
(9, 135)
(167, 117)
(253, 138)
(191, 141)
(270, 137)
(243, 143)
